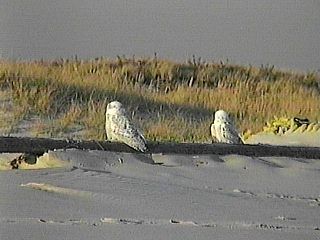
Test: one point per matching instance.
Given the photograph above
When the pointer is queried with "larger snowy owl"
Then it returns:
(223, 130)
(120, 129)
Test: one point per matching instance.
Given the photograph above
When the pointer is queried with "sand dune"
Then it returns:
(306, 139)
(111, 195)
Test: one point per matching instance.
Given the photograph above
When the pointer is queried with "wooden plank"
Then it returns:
(41, 145)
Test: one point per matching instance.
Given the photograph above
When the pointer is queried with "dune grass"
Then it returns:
(169, 101)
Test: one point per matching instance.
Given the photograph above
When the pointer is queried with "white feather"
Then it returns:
(119, 128)
(223, 129)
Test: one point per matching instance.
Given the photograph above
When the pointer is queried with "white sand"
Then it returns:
(306, 139)
(105, 195)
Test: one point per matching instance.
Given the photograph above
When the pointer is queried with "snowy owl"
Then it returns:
(223, 129)
(120, 129)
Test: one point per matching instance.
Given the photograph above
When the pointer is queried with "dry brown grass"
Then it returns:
(169, 101)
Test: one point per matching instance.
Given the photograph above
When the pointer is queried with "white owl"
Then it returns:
(120, 129)
(223, 130)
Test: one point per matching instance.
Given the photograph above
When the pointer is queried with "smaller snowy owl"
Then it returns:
(120, 129)
(223, 130)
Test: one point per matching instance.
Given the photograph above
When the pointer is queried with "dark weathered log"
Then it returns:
(41, 145)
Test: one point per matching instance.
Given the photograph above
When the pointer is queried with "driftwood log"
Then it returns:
(40, 145)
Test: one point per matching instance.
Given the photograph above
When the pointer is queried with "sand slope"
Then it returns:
(108, 195)
(305, 139)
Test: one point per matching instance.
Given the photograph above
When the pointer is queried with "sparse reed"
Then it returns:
(169, 101)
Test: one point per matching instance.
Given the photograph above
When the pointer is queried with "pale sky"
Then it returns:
(284, 33)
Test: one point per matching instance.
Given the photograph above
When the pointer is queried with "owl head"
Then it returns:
(221, 116)
(115, 108)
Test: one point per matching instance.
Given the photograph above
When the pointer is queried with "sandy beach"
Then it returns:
(113, 195)
(160, 120)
